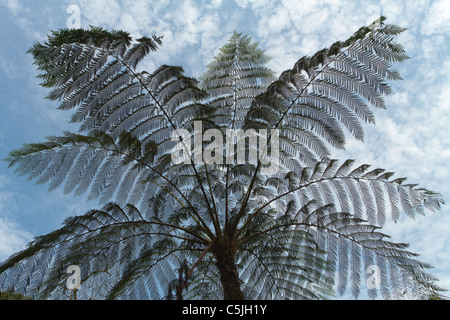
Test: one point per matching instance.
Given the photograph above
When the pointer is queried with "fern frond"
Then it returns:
(115, 233)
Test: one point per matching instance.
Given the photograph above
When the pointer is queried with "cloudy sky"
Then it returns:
(411, 137)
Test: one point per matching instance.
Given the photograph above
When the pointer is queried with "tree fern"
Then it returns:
(214, 230)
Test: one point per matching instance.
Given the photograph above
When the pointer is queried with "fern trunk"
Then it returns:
(229, 276)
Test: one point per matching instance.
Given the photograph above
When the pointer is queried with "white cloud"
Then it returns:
(186, 27)
(427, 236)
(242, 3)
(437, 20)
(215, 3)
(101, 12)
(13, 5)
(7, 67)
(12, 236)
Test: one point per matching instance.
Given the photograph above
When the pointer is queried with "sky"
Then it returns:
(410, 138)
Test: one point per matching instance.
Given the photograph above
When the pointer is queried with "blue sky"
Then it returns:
(411, 137)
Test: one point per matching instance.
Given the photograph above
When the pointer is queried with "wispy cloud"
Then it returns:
(7, 67)
(13, 5)
(12, 236)
(437, 19)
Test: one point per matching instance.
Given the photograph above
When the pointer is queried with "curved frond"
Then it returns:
(333, 89)
(109, 246)
(311, 252)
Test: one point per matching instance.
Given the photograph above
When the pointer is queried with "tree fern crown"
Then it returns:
(218, 229)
